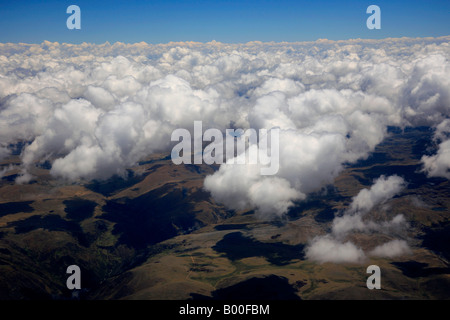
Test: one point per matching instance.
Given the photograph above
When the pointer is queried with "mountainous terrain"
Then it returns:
(157, 234)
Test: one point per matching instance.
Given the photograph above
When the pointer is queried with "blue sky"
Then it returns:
(226, 21)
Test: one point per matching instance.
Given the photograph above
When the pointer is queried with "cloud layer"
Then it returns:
(95, 110)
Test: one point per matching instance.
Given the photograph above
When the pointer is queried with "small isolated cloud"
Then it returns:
(332, 248)
(391, 249)
(348, 222)
(24, 178)
(382, 190)
(327, 249)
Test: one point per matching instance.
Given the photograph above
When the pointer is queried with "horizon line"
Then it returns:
(214, 42)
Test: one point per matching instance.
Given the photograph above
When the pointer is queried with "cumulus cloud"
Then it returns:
(382, 190)
(438, 165)
(94, 110)
(307, 162)
(245, 188)
(332, 248)
(326, 249)
(391, 249)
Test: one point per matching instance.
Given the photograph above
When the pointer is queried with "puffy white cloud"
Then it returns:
(391, 249)
(69, 126)
(426, 95)
(326, 249)
(307, 162)
(438, 165)
(332, 248)
(99, 97)
(382, 190)
(442, 130)
(83, 162)
(241, 186)
(24, 116)
(348, 222)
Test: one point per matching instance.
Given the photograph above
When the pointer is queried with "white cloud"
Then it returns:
(382, 190)
(99, 97)
(326, 249)
(25, 177)
(307, 162)
(332, 248)
(391, 249)
(97, 109)
(348, 222)
(24, 117)
(438, 165)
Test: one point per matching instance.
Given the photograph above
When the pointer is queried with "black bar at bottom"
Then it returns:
(263, 310)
